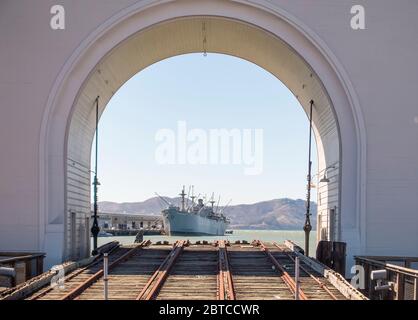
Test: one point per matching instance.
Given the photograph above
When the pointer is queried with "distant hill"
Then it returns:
(283, 213)
(150, 206)
(273, 214)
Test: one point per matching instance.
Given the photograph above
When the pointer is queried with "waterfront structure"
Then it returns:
(362, 82)
(123, 221)
(190, 271)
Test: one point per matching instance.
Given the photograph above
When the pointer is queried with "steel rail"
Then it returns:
(88, 282)
(288, 280)
(161, 274)
(70, 276)
(224, 278)
(319, 282)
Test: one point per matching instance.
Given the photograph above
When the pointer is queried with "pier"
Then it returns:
(204, 270)
(60, 80)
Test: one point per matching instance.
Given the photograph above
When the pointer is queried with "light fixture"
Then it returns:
(204, 39)
(324, 179)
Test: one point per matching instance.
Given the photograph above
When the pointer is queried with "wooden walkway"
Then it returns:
(213, 271)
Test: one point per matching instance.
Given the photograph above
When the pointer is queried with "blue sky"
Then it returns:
(212, 92)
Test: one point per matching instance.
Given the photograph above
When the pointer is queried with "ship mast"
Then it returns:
(217, 205)
(212, 202)
(192, 197)
(187, 199)
(182, 194)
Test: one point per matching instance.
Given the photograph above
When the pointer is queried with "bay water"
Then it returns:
(279, 236)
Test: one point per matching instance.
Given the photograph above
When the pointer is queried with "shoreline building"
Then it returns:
(123, 221)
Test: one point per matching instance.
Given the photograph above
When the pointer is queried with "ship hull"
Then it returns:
(178, 223)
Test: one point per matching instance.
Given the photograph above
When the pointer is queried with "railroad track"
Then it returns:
(253, 275)
(73, 279)
(220, 270)
(332, 292)
(282, 271)
(313, 286)
(80, 279)
(157, 280)
(225, 286)
(193, 276)
(127, 280)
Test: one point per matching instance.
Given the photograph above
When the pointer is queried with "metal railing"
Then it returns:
(403, 279)
(25, 265)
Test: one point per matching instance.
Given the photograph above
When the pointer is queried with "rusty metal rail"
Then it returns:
(319, 282)
(284, 276)
(83, 286)
(219, 270)
(225, 288)
(154, 284)
(74, 274)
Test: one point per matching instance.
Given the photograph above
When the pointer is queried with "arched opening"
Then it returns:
(222, 125)
(142, 35)
(188, 35)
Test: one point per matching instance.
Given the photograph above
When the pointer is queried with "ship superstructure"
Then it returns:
(196, 218)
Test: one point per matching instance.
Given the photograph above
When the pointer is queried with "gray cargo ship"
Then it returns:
(195, 219)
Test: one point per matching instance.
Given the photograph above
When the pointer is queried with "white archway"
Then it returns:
(142, 35)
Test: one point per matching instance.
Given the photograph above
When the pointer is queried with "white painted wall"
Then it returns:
(371, 76)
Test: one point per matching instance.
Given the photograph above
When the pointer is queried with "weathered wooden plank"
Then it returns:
(194, 275)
